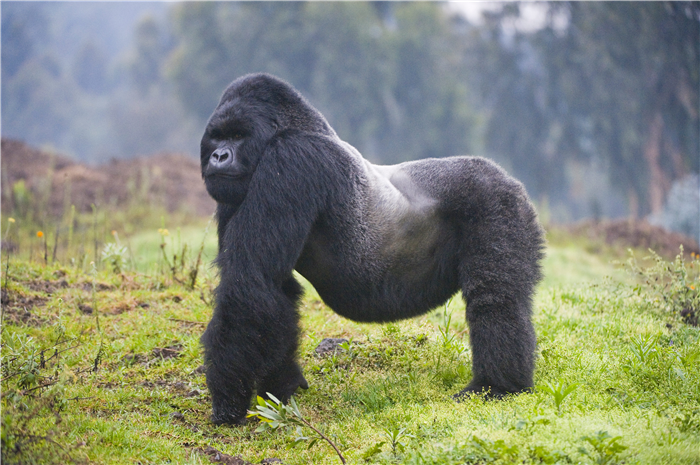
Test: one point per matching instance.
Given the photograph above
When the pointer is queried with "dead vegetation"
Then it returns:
(637, 234)
(168, 180)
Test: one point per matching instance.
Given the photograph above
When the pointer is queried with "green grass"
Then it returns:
(113, 395)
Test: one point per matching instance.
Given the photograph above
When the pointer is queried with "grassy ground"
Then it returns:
(101, 367)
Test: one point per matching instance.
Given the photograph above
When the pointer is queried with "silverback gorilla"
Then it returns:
(379, 243)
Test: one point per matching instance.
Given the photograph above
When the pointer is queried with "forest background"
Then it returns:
(594, 106)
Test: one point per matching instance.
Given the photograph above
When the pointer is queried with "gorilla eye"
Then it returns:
(216, 134)
(237, 136)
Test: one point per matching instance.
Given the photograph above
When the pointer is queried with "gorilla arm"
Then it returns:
(252, 337)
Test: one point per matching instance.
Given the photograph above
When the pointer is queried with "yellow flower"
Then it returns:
(11, 220)
(39, 234)
(163, 232)
(114, 232)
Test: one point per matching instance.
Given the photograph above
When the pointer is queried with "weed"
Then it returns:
(33, 393)
(526, 424)
(543, 455)
(606, 448)
(559, 392)
(114, 255)
(644, 348)
(673, 287)
(277, 415)
(490, 451)
(397, 439)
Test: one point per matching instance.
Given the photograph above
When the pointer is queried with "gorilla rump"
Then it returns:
(379, 243)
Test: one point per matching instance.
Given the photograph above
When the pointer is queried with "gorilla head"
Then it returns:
(251, 111)
(379, 243)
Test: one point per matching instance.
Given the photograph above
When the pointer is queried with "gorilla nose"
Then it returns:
(221, 158)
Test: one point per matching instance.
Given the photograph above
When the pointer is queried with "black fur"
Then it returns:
(379, 243)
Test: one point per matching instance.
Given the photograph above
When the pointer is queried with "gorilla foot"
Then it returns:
(283, 389)
(227, 418)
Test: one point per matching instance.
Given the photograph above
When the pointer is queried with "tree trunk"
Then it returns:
(658, 181)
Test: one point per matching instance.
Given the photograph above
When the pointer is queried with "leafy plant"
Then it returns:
(115, 256)
(559, 392)
(275, 415)
(644, 348)
(544, 455)
(674, 286)
(606, 448)
(490, 451)
(525, 424)
(397, 439)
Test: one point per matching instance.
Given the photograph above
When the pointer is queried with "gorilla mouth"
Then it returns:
(224, 175)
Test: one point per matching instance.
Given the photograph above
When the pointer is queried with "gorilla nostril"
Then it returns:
(220, 156)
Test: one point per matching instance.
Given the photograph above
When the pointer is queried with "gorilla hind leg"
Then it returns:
(503, 348)
(498, 280)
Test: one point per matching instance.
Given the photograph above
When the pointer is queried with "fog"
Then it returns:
(594, 106)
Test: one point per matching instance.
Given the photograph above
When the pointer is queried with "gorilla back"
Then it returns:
(379, 243)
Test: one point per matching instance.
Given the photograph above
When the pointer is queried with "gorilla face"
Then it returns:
(225, 167)
(229, 153)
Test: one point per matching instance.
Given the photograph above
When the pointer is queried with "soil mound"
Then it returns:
(636, 234)
(169, 180)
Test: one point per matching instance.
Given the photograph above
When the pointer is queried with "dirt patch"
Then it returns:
(636, 234)
(12, 299)
(169, 180)
(219, 457)
(165, 353)
(99, 287)
(85, 309)
(49, 287)
(156, 355)
(16, 308)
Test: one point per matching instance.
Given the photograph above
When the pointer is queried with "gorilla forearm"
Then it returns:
(251, 338)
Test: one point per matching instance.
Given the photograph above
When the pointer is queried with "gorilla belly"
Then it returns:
(398, 263)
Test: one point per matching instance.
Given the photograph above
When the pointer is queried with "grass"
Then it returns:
(102, 367)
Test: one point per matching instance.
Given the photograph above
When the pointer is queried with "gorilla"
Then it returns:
(379, 244)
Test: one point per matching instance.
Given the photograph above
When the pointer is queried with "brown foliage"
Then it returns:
(172, 181)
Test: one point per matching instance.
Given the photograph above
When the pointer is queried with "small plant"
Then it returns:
(490, 451)
(674, 286)
(447, 339)
(527, 424)
(275, 415)
(397, 439)
(544, 455)
(559, 391)
(114, 255)
(644, 348)
(606, 448)
(347, 346)
(10, 222)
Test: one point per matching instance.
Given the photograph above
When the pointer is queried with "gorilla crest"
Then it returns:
(379, 243)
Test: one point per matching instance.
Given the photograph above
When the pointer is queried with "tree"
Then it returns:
(625, 87)
(384, 75)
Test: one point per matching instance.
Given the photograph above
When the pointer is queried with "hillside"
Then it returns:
(168, 180)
